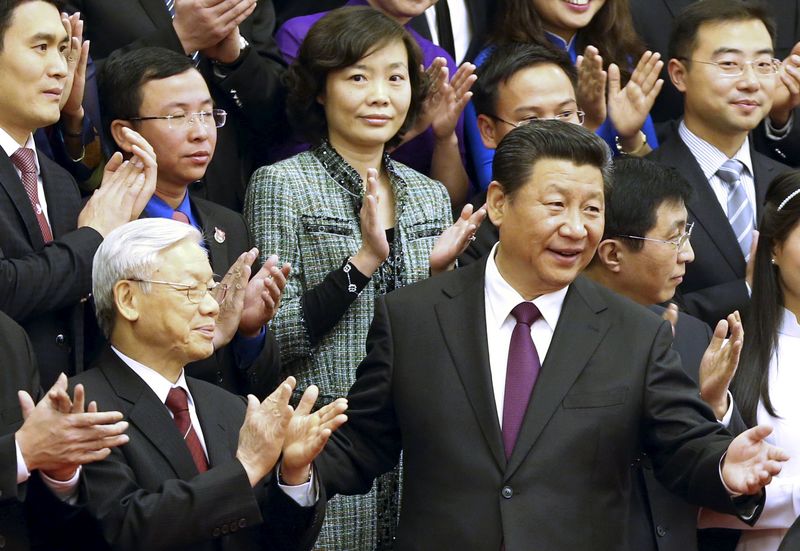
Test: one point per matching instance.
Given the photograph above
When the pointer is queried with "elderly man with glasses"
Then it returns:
(160, 94)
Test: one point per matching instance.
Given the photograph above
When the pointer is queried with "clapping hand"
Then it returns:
(230, 294)
(719, 363)
(263, 296)
(77, 59)
(787, 90)
(374, 248)
(750, 462)
(629, 106)
(591, 92)
(211, 26)
(455, 239)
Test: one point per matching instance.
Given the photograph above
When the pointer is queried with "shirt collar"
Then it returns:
(789, 325)
(158, 208)
(709, 157)
(159, 384)
(502, 297)
(560, 42)
(10, 146)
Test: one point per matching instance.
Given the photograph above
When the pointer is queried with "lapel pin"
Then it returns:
(219, 235)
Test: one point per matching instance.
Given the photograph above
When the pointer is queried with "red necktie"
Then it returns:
(178, 404)
(180, 217)
(24, 159)
(521, 373)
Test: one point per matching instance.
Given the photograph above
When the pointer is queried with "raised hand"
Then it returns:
(77, 60)
(374, 246)
(263, 431)
(263, 296)
(751, 462)
(57, 435)
(591, 92)
(719, 363)
(230, 294)
(787, 91)
(201, 25)
(455, 239)
(629, 106)
(307, 435)
(450, 99)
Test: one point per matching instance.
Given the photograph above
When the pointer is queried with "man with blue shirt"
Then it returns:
(161, 94)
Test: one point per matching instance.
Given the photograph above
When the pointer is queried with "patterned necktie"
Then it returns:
(178, 403)
(24, 159)
(171, 8)
(740, 212)
(521, 373)
(180, 217)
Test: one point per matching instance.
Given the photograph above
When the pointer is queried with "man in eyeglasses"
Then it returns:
(721, 59)
(160, 94)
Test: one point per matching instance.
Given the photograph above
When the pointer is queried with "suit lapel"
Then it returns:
(11, 182)
(462, 321)
(148, 414)
(704, 208)
(217, 252)
(763, 173)
(577, 335)
(214, 433)
(676, 6)
(58, 189)
(157, 12)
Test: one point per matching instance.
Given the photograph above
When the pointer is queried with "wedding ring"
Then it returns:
(472, 237)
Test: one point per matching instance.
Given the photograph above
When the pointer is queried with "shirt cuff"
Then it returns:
(65, 490)
(247, 349)
(23, 473)
(305, 495)
(776, 134)
(726, 419)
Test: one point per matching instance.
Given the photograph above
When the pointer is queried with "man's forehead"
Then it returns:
(186, 258)
(184, 89)
(748, 36)
(37, 19)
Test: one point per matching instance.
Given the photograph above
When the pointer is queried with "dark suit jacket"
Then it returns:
(148, 494)
(653, 19)
(251, 93)
(610, 387)
(42, 286)
(791, 541)
(713, 286)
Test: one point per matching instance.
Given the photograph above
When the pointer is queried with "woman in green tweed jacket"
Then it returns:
(353, 92)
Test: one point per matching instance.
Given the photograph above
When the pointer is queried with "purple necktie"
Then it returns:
(521, 373)
(23, 159)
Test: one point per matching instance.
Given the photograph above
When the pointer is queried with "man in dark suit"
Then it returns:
(232, 44)
(196, 472)
(40, 438)
(46, 240)
(643, 255)
(501, 449)
(653, 19)
(138, 87)
(721, 60)
(461, 26)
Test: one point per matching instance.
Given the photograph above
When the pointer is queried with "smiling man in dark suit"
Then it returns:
(721, 59)
(46, 240)
(520, 393)
(160, 94)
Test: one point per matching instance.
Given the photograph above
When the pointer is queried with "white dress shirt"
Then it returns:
(10, 146)
(459, 20)
(782, 506)
(501, 298)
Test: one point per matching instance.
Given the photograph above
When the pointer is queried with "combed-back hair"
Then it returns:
(336, 41)
(523, 147)
(763, 318)
(505, 61)
(640, 188)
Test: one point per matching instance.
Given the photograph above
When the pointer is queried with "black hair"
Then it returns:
(124, 73)
(640, 188)
(520, 149)
(765, 313)
(683, 38)
(7, 8)
(336, 41)
(505, 61)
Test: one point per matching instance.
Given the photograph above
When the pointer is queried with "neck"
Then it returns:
(154, 359)
(19, 135)
(400, 19)
(171, 194)
(360, 159)
(599, 274)
(509, 272)
(727, 142)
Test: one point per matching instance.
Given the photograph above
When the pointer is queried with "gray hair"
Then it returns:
(132, 252)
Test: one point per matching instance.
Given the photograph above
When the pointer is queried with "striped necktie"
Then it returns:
(740, 211)
(171, 8)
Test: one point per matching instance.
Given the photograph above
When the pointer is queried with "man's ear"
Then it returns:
(119, 136)
(486, 125)
(126, 299)
(496, 201)
(677, 73)
(611, 255)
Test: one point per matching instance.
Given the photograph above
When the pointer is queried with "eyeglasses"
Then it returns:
(194, 294)
(185, 120)
(763, 67)
(678, 243)
(566, 116)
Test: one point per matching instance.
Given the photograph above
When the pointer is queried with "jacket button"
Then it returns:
(242, 523)
(225, 528)
(60, 339)
(661, 531)
(507, 492)
(219, 377)
(215, 533)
